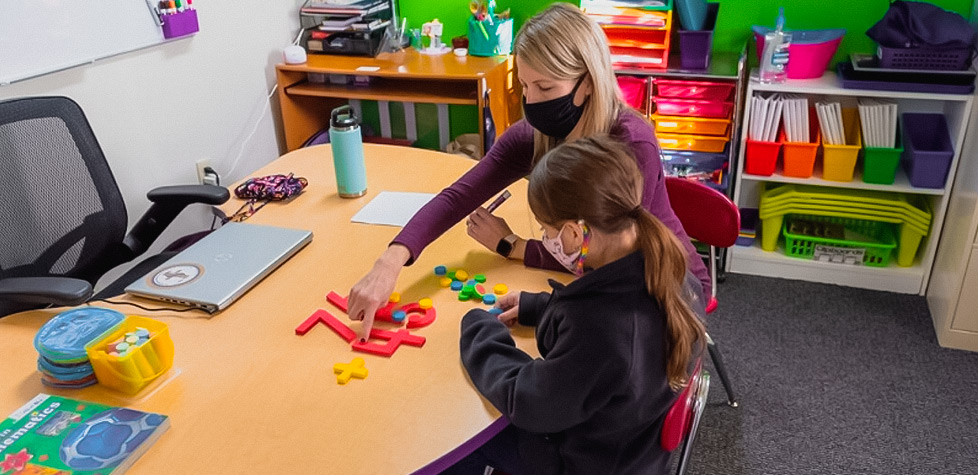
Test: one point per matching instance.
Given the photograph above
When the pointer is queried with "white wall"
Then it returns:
(157, 111)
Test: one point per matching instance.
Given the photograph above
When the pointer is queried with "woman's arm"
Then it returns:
(507, 161)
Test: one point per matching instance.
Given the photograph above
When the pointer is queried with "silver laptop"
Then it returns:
(222, 266)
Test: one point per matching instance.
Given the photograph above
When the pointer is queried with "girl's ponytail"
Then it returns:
(665, 268)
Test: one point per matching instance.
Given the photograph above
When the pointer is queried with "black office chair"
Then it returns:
(63, 221)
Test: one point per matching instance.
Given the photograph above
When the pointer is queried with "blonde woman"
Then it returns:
(569, 92)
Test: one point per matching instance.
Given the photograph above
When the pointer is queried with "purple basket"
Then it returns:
(180, 24)
(695, 45)
(927, 149)
(953, 59)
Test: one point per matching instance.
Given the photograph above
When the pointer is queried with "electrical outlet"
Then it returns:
(201, 165)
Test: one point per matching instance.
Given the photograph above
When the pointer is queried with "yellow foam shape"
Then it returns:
(353, 369)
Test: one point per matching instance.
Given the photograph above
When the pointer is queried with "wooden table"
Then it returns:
(247, 395)
(407, 76)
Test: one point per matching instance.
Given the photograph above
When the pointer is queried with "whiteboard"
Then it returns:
(43, 36)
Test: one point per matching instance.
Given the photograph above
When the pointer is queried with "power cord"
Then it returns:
(147, 309)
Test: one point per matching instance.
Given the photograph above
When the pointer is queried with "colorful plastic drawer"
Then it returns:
(628, 58)
(702, 90)
(692, 107)
(629, 37)
(690, 125)
(633, 90)
(696, 143)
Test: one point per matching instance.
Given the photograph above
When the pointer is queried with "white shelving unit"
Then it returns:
(747, 189)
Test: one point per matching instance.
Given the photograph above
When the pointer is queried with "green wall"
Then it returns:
(732, 30)
(856, 16)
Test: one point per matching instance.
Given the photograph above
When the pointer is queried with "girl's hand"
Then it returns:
(486, 228)
(510, 304)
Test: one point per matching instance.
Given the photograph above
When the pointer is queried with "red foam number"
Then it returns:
(394, 340)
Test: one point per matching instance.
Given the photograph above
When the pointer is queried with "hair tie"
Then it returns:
(635, 212)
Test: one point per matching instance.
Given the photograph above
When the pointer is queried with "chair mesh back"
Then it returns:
(62, 211)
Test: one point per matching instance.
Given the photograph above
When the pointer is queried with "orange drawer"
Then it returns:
(691, 125)
(695, 143)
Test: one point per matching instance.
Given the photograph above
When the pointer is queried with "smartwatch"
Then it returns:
(505, 246)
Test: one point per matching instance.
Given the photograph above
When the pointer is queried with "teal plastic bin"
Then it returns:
(490, 39)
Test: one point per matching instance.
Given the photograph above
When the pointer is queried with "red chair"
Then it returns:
(684, 416)
(709, 217)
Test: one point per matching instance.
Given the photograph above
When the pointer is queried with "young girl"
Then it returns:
(569, 92)
(616, 344)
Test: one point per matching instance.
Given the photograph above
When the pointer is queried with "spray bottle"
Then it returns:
(774, 58)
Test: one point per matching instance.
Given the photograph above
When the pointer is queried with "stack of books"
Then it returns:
(333, 16)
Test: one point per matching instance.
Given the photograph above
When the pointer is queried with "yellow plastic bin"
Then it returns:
(690, 125)
(695, 143)
(839, 161)
(139, 367)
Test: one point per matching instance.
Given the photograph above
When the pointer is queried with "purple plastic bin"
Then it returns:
(927, 149)
(695, 45)
(180, 24)
(945, 59)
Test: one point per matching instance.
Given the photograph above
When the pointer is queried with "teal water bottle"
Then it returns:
(344, 135)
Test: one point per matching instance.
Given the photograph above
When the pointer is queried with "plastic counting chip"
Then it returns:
(489, 299)
(395, 297)
(398, 316)
(500, 289)
(461, 275)
(425, 303)
(496, 311)
(440, 270)
(456, 285)
(480, 278)
(445, 282)
(353, 369)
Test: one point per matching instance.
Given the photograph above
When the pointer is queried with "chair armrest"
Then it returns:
(168, 202)
(183, 195)
(59, 291)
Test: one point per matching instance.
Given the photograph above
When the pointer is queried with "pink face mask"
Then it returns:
(573, 262)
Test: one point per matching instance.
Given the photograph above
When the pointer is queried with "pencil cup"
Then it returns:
(180, 24)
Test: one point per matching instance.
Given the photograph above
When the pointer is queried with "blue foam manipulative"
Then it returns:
(398, 316)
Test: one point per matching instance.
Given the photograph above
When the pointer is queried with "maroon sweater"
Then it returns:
(509, 160)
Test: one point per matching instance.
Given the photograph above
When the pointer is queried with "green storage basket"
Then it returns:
(490, 39)
(877, 251)
(880, 164)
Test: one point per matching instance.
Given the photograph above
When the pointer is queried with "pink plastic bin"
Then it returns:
(692, 107)
(808, 53)
(633, 90)
(705, 90)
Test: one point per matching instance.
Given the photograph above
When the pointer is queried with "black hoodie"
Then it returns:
(595, 402)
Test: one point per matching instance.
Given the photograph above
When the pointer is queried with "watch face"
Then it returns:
(505, 246)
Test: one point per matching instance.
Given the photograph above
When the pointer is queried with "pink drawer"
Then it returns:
(703, 90)
(692, 107)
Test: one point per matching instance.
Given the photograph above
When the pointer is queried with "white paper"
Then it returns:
(392, 208)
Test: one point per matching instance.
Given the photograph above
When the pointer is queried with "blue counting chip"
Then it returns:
(496, 311)
(456, 285)
(489, 299)
(398, 315)
(471, 282)
(441, 270)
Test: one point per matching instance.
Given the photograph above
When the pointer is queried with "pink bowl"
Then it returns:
(809, 52)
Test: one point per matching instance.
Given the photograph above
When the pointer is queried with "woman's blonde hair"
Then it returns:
(596, 179)
(564, 43)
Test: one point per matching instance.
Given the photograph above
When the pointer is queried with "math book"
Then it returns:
(53, 435)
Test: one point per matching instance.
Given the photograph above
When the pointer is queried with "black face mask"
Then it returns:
(556, 117)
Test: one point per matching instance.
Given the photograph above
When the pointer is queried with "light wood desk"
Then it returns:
(407, 76)
(247, 395)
